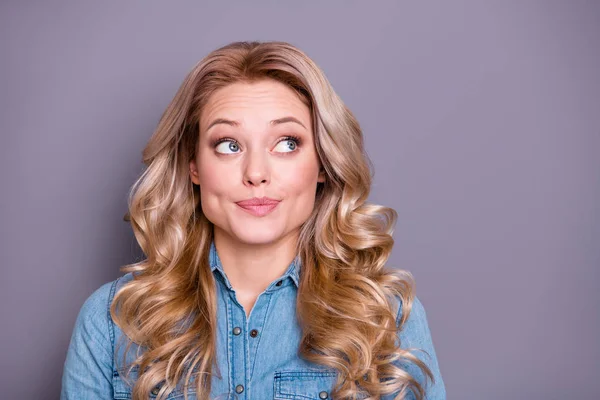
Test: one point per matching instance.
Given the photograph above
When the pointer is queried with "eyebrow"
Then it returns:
(272, 123)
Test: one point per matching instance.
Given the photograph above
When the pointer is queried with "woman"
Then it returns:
(265, 274)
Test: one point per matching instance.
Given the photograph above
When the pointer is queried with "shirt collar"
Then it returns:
(292, 272)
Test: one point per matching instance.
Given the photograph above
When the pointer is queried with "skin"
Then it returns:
(255, 251)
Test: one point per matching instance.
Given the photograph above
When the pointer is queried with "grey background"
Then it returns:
(482, 119)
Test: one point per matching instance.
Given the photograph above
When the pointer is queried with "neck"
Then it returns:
(251, 267)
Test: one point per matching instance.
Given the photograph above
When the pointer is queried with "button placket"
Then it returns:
(256, 330)
(238, 342)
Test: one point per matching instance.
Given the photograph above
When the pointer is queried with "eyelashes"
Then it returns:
(214, 143)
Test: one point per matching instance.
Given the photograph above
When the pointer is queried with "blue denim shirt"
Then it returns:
(257, 356)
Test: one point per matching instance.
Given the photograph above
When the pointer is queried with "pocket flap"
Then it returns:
(304, 384)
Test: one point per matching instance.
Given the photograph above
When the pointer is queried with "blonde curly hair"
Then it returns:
(347, 298)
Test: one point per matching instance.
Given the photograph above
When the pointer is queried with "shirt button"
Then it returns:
(155, 391)
(254, 333)
(237, 330)
(279, 283)
(323, 395)
(239, 389)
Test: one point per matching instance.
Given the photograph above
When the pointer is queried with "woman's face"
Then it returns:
(248, 148)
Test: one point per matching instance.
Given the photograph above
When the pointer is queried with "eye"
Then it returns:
(288, 144)
(227, 146)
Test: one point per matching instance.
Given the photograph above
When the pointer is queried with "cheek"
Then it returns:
(300, 179)
(301, 189)
(210, 183)
(209, 176)
(214, 187)
(212, 192)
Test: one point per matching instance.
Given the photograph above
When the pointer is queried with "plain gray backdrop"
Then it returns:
(482, 119)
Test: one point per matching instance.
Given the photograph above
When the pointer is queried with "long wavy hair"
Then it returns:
(347, 300)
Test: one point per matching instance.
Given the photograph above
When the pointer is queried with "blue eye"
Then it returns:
(291, 143)
(227, 145)
(231, 145)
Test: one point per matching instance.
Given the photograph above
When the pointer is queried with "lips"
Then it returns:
(258, 201)
(258, 206)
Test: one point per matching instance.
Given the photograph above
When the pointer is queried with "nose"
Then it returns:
(257, 169)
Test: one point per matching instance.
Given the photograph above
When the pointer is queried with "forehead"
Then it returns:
(263, 100)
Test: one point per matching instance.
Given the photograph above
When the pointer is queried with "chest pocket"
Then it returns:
(304, 384)
(122, 391)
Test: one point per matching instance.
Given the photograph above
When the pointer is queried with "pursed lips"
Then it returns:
(257, 201)
(258, 206)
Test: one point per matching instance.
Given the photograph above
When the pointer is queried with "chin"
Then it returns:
(256, 237)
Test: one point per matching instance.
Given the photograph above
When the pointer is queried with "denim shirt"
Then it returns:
(257, 356)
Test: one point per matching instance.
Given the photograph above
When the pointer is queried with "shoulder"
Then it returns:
(98, 302)
(95, 311)
(415, 329)
(88, 366)
(95, 306)
(415, 313)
